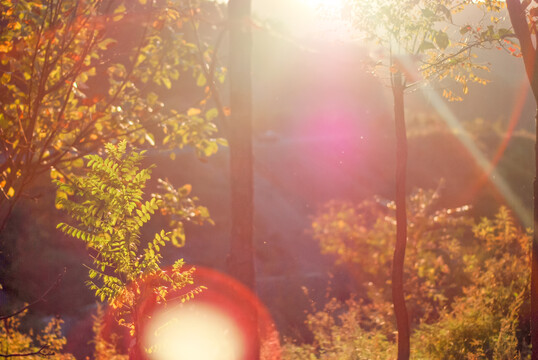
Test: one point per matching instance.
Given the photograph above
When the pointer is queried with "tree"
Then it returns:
(77, 74)
(416, 37)
(108, 207)
(241, 258)
(523, 18)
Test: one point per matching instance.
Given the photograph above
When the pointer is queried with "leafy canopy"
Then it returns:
(77, 74)
(427, 39)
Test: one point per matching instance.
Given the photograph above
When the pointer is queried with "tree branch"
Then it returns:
(521, 29)
(40, 299)
(41, 352)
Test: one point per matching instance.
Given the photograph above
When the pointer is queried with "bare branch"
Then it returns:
(42, 352)
(40, 299)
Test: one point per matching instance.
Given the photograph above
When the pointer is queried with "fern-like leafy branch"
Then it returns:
(108, 207)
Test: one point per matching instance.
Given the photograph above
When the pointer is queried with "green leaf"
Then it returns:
(442, 40)
(428, 13)
(77, 163)
(426, 45)
(504, 32)
(211, 114)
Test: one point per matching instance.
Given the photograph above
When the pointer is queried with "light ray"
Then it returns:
(487, 166)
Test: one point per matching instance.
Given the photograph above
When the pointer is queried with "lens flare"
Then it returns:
(485, 164)
(194, 331)
(226, 321)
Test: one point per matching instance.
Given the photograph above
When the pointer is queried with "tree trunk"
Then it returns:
(241, 258)
(534, 256)
(136, 351)
(398, 298)
(529, 53)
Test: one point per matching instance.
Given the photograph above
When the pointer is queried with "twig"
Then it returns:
(40, 299)
(41, 352)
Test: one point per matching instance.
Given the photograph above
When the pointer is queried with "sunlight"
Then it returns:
(194, 331)
(486, 165)
(326, 5)
(327, 19)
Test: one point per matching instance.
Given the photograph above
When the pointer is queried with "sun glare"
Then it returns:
(194, 331)
(326, 5)
(327, 17)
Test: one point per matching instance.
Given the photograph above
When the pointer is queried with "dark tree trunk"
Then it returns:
(534, 257)
(398, 298)
(241, 258)
(529, 52)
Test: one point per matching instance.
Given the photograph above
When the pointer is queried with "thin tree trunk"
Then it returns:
(534, 254)
(136, 350)
(529, 52)
(398, 298)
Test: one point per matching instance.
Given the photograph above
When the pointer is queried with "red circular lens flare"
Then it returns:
(224, 322)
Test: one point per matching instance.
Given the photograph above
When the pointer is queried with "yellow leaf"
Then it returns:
(140, 59)
(6, 77)
(120, 9)
(166, 81)
(193, 112)
(201, 81)
(14, 26)
(10, 192)
(185, 189)
(150, 139)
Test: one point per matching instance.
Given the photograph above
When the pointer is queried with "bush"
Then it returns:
(469, 296)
